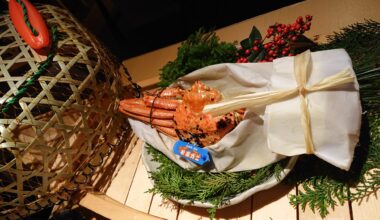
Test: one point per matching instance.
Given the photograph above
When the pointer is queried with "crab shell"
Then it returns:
(178, 113)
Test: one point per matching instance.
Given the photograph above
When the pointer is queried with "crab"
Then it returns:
(178, 113)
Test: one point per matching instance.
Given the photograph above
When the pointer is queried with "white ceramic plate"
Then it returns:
(272, 181)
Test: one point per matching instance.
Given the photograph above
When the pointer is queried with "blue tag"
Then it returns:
(191, 152)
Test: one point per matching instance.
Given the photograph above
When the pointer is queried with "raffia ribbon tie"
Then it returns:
(302, 70)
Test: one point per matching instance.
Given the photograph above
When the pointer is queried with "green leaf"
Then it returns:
(303, 43)
(260, 56)
(255, 34)
(246, 43)
(253, 55)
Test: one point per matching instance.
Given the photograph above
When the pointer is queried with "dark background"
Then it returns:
(130, 28)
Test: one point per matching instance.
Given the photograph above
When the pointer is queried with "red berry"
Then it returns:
(247, 51)
(255, 48)
(266, 46)
(299, 20)
(279, 29)
(309, 17)
(270, 52)
(284, 52)
(294, 38)
(290, 54)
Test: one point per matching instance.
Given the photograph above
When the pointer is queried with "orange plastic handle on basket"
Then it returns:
(39, 42)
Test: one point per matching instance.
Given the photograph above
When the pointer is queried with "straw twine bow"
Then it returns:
(302, 70)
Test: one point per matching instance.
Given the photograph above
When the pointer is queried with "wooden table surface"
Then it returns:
(130, 184)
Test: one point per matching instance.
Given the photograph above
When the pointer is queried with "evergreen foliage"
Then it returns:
(362, 42)
(324, 185)
(199, 50)
(172, 181)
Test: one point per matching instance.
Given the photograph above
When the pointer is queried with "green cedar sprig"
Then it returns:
(324, 185)
(199, 50)
(362, 42)
(172, 181)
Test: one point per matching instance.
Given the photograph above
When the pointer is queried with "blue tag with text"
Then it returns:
(191, 152)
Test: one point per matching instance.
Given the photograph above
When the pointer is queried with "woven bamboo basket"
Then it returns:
(60, 131)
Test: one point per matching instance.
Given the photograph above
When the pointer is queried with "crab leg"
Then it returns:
(154, 121)
(172, 92)
(130, 105)
(133, 101)
(170, 104)
(168, 131)
(166, 93)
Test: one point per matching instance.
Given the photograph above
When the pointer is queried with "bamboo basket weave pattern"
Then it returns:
(64, 119)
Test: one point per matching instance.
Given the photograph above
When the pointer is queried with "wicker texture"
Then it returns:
(64, 119)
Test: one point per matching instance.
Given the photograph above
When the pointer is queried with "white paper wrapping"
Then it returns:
(335, 113)
(270, 133)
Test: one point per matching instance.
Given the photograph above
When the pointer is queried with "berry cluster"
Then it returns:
(282, 37)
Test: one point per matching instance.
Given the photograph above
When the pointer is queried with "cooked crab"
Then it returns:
(178, 113)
